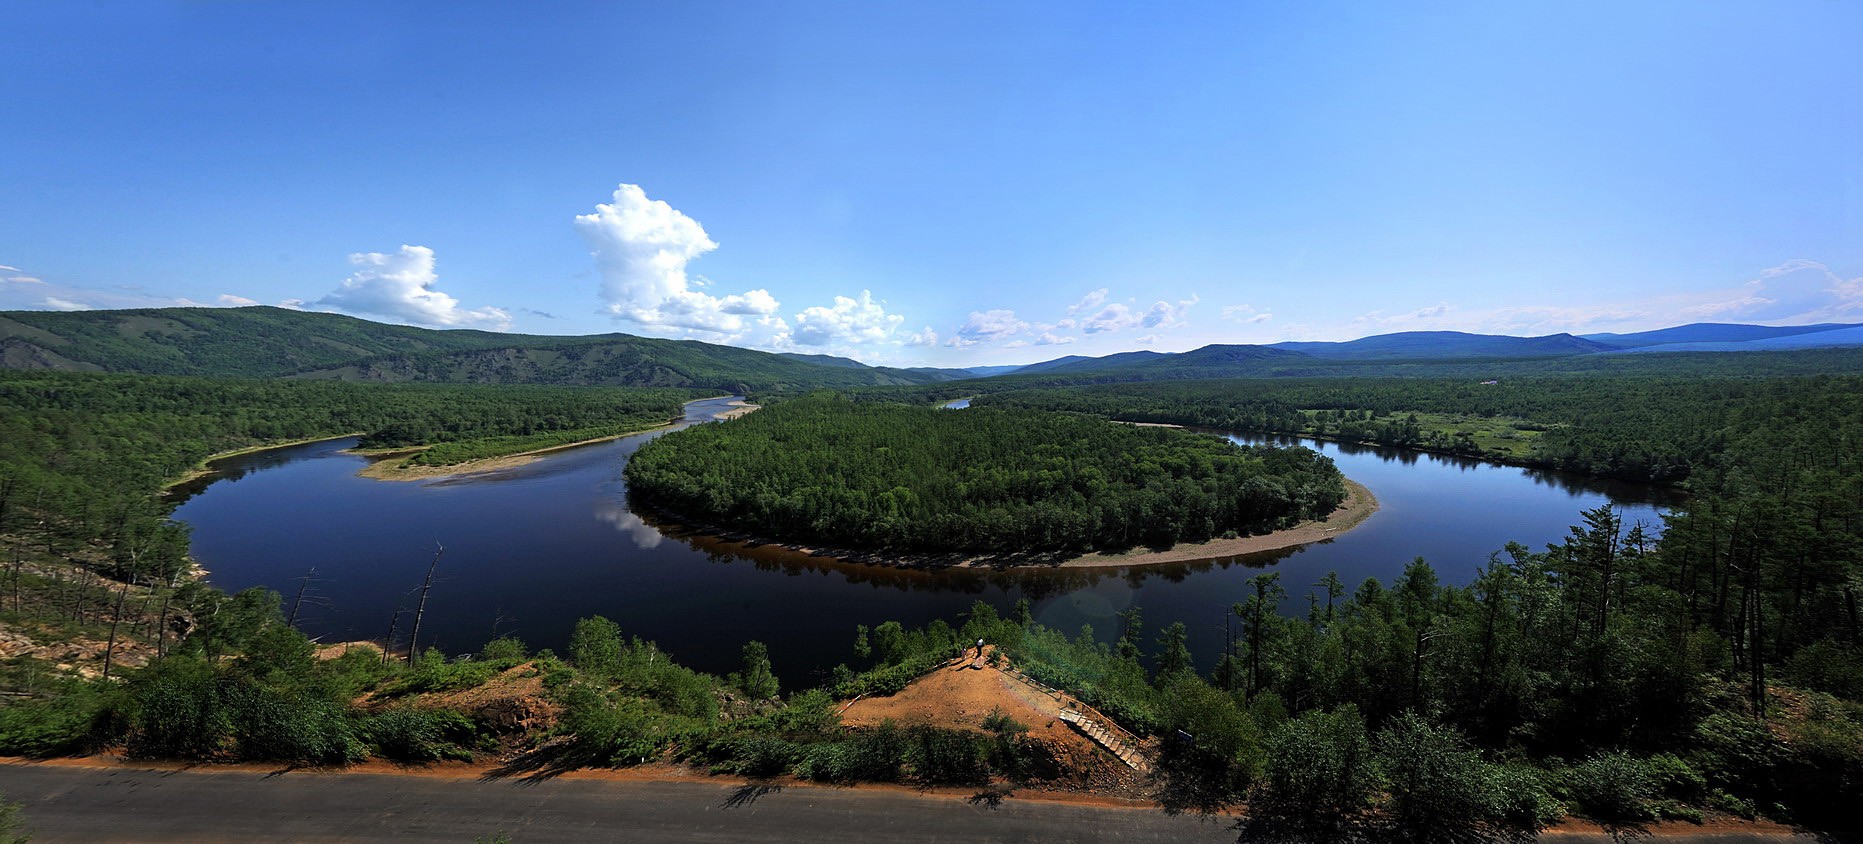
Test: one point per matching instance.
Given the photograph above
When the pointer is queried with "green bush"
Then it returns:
(503, 648)
(1439, 789)
(1521, 799)
(865, 756)
(406, 734)
(1317, 779)
(1611, 787)
(939, 756)
(175, 711)
(64, 723)
(756, 755)
(1828, 666)
(271, 723)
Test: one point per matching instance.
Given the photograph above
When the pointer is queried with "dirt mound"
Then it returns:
(960, 696)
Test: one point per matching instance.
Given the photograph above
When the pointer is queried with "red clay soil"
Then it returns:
(961, 696)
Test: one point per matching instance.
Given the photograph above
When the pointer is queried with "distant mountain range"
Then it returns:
(1460, 346)
(262, 342)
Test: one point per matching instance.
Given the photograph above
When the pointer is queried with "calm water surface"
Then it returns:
(531, 549)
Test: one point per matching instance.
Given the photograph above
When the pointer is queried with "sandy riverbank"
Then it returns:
(392, 464)
(1358, 506)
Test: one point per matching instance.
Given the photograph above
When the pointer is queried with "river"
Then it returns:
(532, 548)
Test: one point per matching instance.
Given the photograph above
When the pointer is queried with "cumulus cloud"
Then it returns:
(1048, 338)
(642, 246)
(987, 326)
(58, 304)
(1119, 316)
(848, 322)
(399, 285)
(928, 337)
(232, 301)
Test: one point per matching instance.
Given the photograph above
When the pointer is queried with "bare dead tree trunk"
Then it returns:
(420, 608)
(394, 624)
(303, 584)
(161, 620)
(116, 618)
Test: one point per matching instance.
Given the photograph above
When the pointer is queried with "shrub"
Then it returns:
(1828, 666)
(277, 723)
(175, 712)
(756, 755)
(869, 756)
(406, 734)
(1317, 778)
(1611, 787)
(1439, 788)
(64, 723)
(503, 648)
(942, 756)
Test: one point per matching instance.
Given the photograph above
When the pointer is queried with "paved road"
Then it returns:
(96, 805)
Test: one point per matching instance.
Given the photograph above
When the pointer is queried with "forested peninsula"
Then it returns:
(825, 469)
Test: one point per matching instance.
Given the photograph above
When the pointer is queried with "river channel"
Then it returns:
(532, 548)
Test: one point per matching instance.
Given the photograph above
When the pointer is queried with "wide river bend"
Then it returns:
(532, 548)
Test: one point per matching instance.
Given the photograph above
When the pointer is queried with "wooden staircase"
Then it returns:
(1107, 738)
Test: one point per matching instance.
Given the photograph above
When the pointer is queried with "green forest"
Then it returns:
(86, 454)
(1660, 429)
(884, 476)
(1617, 675)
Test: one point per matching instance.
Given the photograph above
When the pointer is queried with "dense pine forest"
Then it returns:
(84, 455)
(1654, 428)
(824, 469)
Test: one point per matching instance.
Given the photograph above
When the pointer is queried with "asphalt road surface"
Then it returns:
(96, 805)
(104, 804)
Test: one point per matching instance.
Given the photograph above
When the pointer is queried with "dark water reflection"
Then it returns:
(532, 548)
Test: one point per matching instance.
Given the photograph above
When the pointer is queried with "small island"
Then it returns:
(869, 476)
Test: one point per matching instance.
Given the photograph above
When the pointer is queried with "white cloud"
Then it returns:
(58, 304)
(1245, 314)
(928, 337)
(232, 301)
(1410, 320)
(1048, 338)
(1088, 303)
(848, 322)
(641, 247)
(25, 279)
(293, 304)
(399, 286)
(8, 269)
(986, 326)
(1119, 316)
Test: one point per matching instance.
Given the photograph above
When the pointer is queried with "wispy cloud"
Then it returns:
(58, 304)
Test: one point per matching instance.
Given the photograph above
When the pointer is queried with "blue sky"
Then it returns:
(946, 184)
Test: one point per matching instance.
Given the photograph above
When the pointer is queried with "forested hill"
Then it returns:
(620, 360)
(866, 475)
(263, 342)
